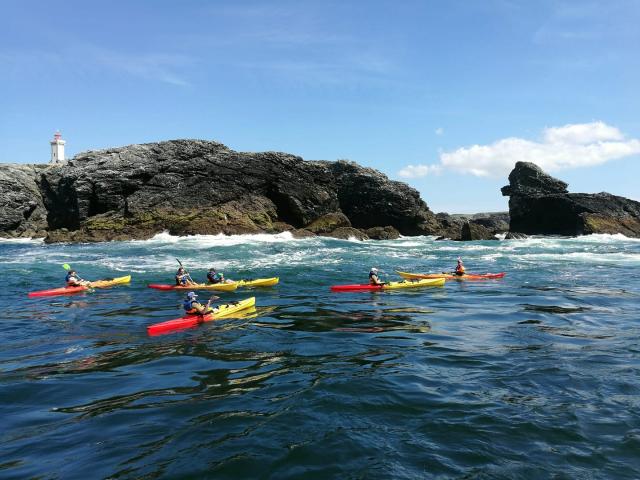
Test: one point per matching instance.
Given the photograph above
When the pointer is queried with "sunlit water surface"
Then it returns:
(533, 376)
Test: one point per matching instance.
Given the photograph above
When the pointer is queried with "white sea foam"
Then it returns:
(29, 240)
(220, 240)
(588, 257)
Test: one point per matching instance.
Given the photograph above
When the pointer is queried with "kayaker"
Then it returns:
(214, 277)
(460, 271)
(73, 279)
(374, 279)
(193, 307)
(183, 278)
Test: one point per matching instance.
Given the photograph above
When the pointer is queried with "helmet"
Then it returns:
(212, 269)
(191, 295)
(374, 269)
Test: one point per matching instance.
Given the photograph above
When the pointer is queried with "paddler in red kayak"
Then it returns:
(193, 307)
(459, 271)
(73, 279)
(183, 278)
(374, 279)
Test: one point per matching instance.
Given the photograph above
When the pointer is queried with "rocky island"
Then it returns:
(189, 187)
(540, 204)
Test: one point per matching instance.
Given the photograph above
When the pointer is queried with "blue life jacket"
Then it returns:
(188, 306)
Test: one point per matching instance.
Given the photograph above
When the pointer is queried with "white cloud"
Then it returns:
(416, 171)
(439, 131)
(569, 146)
(582, 133)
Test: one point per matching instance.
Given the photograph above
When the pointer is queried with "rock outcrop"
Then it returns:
(203, 187)
(473, 231)
(382, 233)
(22, 211)
(541, 205)
(463, 226)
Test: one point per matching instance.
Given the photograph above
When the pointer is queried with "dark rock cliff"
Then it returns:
(201, 187)
(540, 204)
(22, 210)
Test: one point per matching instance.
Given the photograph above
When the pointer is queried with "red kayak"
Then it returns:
(58, 291)
(189, 321)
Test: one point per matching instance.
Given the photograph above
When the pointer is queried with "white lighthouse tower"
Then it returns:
(57, 148)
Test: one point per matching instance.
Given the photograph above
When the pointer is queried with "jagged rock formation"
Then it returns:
(464, 227)
(194, 186)
(540, 204)
(473, 231)
(22, 211)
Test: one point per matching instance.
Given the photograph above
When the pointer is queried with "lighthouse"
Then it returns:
(57, 148)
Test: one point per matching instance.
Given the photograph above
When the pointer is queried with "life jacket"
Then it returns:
(71, 279)
(460, 269)
(214, 277)
(371, 280)
(188, 306)
(181, 278)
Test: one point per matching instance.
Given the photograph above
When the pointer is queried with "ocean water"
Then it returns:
(533, 376)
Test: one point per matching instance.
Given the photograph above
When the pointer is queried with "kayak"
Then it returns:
(69, 290)
(111, 282)
(220, 287)
(192, 320)
(449, 276)
(58, 291)
(258, 282)
(428, 282)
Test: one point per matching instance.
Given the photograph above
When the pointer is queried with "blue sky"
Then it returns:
(457, 90)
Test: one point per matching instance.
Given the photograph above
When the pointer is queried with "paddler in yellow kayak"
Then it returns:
(73, 279)
(183, 278)
(374, 279)
(216, 277)
(193, 307)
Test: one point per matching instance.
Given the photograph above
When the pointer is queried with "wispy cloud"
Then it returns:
(416, 171)
(439, 131)
(570, 146)
(152, 66)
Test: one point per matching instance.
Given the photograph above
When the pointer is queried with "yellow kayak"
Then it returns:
(221, 311)
(449, 276)
(427, 282)
(220, 287)
(259, 282)
(112, 282)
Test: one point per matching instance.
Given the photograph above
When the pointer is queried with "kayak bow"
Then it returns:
(189, 321)
(259, 282)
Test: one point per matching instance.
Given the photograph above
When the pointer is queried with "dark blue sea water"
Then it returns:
(533, 376)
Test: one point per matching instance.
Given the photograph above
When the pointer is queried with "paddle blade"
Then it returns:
(66, 266)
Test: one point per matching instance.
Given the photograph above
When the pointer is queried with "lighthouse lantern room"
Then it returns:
(57, 148)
